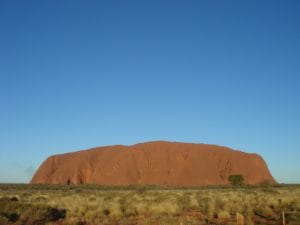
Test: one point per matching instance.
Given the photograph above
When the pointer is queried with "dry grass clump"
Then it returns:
(184, 202)
(224, 215)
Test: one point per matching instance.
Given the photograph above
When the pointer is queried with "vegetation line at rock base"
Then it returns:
(136, 186)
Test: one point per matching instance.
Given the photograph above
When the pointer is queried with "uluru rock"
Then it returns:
(159, 163)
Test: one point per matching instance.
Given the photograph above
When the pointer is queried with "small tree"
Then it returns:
(236, 179)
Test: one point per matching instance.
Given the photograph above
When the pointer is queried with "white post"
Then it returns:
(283, 218)
(239, 219)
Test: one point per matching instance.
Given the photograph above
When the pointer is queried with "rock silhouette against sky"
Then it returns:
(159, 163)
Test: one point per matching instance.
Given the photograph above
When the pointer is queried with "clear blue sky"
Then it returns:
(79, 74)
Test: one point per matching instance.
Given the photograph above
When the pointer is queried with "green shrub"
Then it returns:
(106, 212)
(236, 179)
(53, 214)
(14, 199)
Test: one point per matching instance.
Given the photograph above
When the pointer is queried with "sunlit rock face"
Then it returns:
(156, 163)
